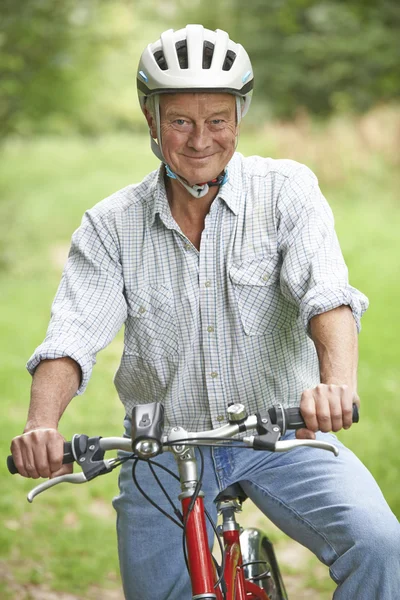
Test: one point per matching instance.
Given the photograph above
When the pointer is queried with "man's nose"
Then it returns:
(199, 139)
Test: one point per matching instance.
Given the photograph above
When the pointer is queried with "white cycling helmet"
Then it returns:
(194, 59)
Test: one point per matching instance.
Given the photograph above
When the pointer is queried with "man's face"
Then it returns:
(198, 133)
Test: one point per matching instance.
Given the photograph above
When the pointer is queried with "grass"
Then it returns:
(66, 539)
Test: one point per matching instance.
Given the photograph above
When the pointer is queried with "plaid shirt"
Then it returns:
(204, 328)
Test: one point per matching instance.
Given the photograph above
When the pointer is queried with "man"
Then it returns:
(228, 276)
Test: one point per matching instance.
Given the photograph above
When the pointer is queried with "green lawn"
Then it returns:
(66, 538)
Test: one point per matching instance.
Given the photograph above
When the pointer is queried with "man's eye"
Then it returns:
(180, 121)
(217, 121)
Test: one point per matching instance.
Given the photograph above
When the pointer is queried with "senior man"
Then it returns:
(228, 276)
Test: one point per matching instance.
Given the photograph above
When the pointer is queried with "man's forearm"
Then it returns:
(335, 337)
(54, 384)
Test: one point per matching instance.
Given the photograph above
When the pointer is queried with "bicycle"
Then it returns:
(249, 568)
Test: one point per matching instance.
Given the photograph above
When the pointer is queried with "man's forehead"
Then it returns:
(209, 101)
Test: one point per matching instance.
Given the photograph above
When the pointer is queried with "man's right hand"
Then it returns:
(39, 453)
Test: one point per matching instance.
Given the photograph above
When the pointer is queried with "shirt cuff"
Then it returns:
(50, 350)
(319, 300)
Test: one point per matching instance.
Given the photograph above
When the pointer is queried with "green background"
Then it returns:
(72, 133)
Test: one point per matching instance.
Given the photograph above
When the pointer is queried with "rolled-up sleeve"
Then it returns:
(313, 275)
(89, 307)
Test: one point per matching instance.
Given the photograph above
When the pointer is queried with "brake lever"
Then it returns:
(286, 445)
(42, 487)
(103, 467)
(264, 443)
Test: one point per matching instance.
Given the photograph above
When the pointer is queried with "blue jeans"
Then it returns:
(332, 505)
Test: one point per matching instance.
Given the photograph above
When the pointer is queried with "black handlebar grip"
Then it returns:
(294, 420)
(11, 465)
(291, 418)
(67, 458)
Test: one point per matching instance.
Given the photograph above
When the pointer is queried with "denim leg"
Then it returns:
(333, 506)
(150, 545)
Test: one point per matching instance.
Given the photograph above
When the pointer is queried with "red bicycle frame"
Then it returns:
(202, 570)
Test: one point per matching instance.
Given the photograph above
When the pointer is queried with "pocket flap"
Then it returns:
(255, 271)
(143, 301)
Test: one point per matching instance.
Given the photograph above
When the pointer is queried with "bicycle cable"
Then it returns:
(262, 575)
(140, 489)
(176, 510)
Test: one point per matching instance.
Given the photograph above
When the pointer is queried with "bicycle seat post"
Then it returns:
(228, 509)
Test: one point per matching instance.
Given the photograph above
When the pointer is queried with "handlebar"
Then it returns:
(284, 418)
(89, 452)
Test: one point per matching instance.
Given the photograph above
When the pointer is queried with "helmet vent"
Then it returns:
(229, 60)
(181, 50)
(160, 60)
(208, 53)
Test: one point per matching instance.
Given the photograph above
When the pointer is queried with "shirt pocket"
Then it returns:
(150, 329)
(261, 305)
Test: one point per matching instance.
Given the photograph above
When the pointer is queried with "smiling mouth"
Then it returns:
(198, 157)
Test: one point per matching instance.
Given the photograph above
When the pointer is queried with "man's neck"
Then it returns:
(189, 212)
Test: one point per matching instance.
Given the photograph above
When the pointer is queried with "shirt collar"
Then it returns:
(230, 192)
(160, 204)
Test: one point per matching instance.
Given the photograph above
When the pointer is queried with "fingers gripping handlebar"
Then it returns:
(291, 418)
(82, 449)
(68, 458)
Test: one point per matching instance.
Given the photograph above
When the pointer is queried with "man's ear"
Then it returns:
(151, 122)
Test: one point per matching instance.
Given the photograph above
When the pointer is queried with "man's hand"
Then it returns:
(327, 407)
(39, 453)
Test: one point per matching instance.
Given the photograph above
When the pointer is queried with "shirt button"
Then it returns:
(210, 329)
(187, 246)
(214, 374)
(220, 418)
(266, 277)
(142, 309)
(207, 284)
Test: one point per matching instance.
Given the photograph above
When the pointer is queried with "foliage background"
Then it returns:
(71, 132)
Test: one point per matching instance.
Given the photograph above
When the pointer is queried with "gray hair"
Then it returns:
(150, 104)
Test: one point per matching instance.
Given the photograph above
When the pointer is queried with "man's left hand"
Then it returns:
(327, 407)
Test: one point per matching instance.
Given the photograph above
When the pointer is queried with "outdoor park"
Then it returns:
(327, 89)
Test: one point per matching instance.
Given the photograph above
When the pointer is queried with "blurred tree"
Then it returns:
(62, 60)
(321, 55)
(48, 50)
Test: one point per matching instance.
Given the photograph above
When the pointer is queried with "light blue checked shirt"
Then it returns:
(204, 328)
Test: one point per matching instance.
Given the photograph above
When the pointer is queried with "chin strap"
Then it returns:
(199, 190)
